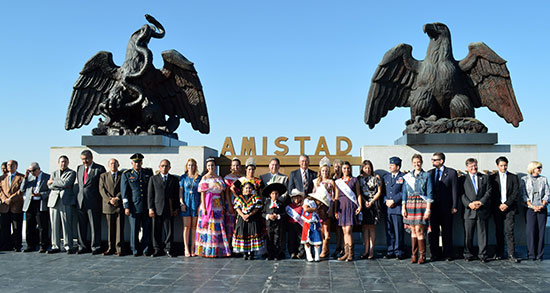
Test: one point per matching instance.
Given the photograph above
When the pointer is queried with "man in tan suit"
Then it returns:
(11, 208)
(109, 188)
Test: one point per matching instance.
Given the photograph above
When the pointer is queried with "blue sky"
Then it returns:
(278, 68)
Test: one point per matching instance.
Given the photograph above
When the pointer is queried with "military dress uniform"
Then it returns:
(134, 197)
(394, 219)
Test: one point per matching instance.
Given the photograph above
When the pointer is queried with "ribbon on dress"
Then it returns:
(208, 209)
(294, 215)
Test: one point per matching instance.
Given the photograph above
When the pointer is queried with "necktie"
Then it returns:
(304, 180)
(85, 175)
(474, 182)
(164, 177)
(437, 175)
(114, 177)
(11, 179)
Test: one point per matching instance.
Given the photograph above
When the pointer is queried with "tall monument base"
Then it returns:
(154, 147)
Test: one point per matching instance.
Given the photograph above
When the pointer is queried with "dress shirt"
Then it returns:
(502, 186)
(37, 187)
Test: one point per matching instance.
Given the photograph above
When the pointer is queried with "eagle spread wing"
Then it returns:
(92, 87)
(391, 83)
(491, 79)
(180, 91)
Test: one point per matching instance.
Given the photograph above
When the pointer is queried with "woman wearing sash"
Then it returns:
(229, 179)
(211, 238)
(348, 207)
(190, 199)
(325, 185)
(417, 198)
(337, 174)
(371, 191)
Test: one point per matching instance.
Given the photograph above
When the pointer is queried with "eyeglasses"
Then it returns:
(539, 167)
(436, 160)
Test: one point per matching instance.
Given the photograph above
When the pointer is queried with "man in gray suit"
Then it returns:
(89, 203)
(62, 203)
(274, 176)
(476, 197)
(302, 179)
(35, 188)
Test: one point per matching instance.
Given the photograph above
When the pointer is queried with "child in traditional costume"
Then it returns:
(311, 231)
(249, 233)
(273, 214)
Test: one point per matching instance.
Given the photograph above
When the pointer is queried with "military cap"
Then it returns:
(395, 160)
(137, 157)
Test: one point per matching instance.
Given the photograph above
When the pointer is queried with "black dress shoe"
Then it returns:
(448, 258)
(29, 250)
(157, 254)
(170, 254)
(469, 258)
(484, 259)
(498, 257)
(148, 253)
(389, 256)
(83, 251)
(70, 251)
(17, 249)
(401, 257)
(96, 252)
(42, 250)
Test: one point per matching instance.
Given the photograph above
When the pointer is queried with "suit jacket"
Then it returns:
(28, 186)
(163, 197)
(512, 190)
(109, 188)
(445, 190)
(295, 180)
(393, 189)
(469, 195)
(88, 193)
(12, 192)
(268, 210)
(62, 187)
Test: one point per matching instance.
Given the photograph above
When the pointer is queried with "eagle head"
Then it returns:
(436, 30)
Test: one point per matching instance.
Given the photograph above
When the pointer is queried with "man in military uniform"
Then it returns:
(134, 199)
(393, 199)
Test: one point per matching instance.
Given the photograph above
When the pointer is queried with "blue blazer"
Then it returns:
(394, 190)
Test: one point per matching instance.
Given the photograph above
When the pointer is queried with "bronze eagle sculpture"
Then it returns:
(442, 92)
(136, 98)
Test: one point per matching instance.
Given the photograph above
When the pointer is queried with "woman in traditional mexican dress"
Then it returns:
(416, 210)
(371, 191)
(190, 199)
(229, 179)
(348, 201)
(324, 184)
(211, 238)
(248, 238)
(249, 177)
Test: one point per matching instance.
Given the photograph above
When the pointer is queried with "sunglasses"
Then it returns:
(539, 167)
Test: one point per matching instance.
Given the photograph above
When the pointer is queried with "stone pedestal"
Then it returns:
(155, 148)
(457, 148)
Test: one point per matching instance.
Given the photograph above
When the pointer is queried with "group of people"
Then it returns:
(241, 214)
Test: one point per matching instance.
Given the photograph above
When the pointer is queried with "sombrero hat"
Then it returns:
(296, 192)
(281, 188)
(320, 196)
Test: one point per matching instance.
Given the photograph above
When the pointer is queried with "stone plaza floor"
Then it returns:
(35, 272)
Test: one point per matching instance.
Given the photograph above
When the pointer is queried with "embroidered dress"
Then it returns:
(417, 193)
(346, 209)
(369, 188)
(311, 231)
(191, 195)
(249, 236)
(211, 238)
(323, 210)
(230, 218)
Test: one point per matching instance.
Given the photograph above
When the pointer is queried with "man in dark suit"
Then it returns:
(444, 206)
(505, 186)
(393, 182)
(163, 200)
(89, 203)
(35, 188)
(134, 199)
(302, 179)
(109, 188)
(11, 208)
(476, 198)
